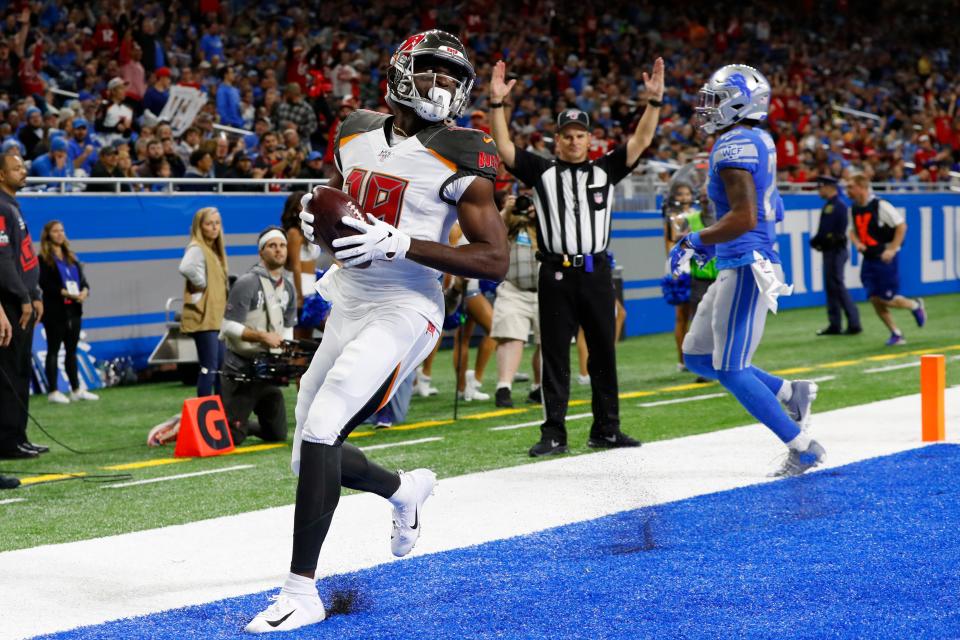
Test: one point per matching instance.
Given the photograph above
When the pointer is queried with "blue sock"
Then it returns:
(702, 365)
(771, 381)
(760, 401)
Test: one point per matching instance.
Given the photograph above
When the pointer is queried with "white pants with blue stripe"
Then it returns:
(729, 321)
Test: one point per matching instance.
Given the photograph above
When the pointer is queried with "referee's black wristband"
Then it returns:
(655, 103)
(496, 105)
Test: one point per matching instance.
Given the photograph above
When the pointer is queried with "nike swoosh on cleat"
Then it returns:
(416, 519)
(277, 623)
(610, 438)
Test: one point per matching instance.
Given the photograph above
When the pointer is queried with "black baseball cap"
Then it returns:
(827, 180)
(573, 116)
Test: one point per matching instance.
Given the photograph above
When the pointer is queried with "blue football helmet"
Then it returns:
(734, 93)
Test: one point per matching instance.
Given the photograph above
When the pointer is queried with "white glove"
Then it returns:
(376, 241)
(306, 219)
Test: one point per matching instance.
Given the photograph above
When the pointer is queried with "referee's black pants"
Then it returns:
(15, 362)
(572, 297)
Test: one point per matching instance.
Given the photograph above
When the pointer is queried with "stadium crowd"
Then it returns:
(82, 85)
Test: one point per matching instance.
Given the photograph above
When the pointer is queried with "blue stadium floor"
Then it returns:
(867, 550)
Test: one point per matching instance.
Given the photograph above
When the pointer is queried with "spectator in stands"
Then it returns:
(347, 106)
(201, 166)
(53, 164)
(107, 166)
(134, 74)
(251, 141)
(177, 166)
(242, 169)
(295, 109)
(156, 96)
(211, 44)
(115, 118)
(64, 288)
(204, 266)
(81, 149)
(313, 167)
(150, 167)
(228, 99)
(33, 135)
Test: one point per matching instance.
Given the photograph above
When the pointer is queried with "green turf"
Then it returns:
(72, 510)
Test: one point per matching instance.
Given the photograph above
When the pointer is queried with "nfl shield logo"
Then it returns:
(598, 197)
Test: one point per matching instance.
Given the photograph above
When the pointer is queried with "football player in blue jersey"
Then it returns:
(728, 325)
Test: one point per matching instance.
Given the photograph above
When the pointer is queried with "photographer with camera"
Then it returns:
(260, 316)
(515, 311)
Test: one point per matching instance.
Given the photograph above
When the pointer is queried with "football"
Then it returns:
(328, 207)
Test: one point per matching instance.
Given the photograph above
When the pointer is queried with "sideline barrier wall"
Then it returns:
(131, 245)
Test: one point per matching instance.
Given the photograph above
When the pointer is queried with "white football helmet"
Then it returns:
(734, 93)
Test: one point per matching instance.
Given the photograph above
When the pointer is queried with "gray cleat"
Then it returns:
(799, 461)
(804, 393)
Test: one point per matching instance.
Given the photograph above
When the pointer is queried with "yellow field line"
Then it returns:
(686, 387)
(494, 414)
(887, 356)
(143, 464)
(635, 394)
(840, 363)
(256, 447)
(787, 372)
(50, 477)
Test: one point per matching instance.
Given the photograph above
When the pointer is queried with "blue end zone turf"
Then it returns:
(867, 550)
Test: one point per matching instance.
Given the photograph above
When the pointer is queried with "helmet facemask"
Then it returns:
(440, 102)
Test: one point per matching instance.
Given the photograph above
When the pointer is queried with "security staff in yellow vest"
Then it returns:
(261, 313)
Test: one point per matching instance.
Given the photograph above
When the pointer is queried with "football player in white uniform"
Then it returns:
(414, 175)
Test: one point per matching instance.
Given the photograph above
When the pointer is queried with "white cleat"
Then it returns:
(83, 394)
(423, 387)
(420, 484)
(288, 612)
(57, 397)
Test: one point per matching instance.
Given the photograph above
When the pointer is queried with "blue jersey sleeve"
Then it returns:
(738, 152)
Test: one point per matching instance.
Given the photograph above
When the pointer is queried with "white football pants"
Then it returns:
(365, 353)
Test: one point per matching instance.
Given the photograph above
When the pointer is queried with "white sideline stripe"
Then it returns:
(659, 403)
(907, 365)
(399, 444)
(179, 476)
(893, 367)
(12, 500)
(823, 379)
(64, 586)
(536, 423)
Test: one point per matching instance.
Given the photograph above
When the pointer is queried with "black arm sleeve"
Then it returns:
(614, 164)
(528, 167)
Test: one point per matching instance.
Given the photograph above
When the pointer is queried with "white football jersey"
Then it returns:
(413, 185)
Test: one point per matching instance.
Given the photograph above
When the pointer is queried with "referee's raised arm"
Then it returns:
(647, 126)
(499, 128)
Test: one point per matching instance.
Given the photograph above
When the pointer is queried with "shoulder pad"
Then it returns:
(464, 151)
(360, 121)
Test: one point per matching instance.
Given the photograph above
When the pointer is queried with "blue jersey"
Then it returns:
(752, 150)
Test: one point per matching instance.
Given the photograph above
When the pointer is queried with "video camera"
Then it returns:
(523, 206)
(280, 368)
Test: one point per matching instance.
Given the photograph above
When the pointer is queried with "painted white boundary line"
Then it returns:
(535, 423)
(893, 367)
(823, 379)
(12, 500)
(399, 444)
(659, 403)
(180, 476)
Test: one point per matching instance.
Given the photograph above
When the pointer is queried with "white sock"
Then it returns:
(299, 586)
(916, 305)
(534, 387)
(424, 378)
(402, 494)
(800, 443)
(786, 391)
(504, 385)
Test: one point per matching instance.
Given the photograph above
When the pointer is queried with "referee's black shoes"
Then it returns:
(19, 452)
(39, 448)
(548, 447)
(9, 482)
(613, 441)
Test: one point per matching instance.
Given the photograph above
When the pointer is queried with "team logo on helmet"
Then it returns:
(737, 80)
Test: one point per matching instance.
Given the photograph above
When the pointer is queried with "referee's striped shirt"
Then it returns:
(573, 201)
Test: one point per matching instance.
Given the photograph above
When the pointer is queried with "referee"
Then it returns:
(574, 198)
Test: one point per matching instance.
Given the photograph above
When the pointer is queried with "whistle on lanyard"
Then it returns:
(566, 260)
